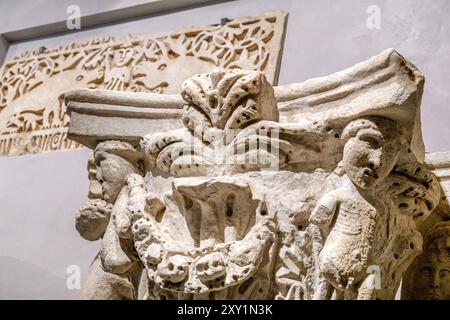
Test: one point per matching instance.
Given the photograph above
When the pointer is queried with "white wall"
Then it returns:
(23, 14)
(39, 194)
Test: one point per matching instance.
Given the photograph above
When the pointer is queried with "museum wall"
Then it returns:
(39, 194)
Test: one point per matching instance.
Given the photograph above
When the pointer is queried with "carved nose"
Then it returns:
(375, 160)
(435, 283)
(95, 190)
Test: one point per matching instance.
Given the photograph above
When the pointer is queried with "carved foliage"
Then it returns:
(224, 247)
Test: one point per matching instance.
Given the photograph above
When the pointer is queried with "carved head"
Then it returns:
(92, 218)
(115, 160)
(371, 150)
(123, 55)
(413, 187)
(432, 273)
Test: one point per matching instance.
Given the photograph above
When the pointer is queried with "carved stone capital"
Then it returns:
(314, 190)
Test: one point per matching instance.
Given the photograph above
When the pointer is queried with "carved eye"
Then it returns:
(162, 66)
(443, 273)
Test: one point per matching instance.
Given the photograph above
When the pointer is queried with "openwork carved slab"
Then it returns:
(32, 111)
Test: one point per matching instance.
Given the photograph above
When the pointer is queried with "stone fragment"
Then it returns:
(314, 190)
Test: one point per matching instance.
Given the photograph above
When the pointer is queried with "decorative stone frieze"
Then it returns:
(32, 85)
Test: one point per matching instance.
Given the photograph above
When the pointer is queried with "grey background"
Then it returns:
(39, 194)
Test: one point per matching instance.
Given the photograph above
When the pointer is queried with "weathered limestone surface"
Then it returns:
(429, 275)
(315, 190)
(33, 115)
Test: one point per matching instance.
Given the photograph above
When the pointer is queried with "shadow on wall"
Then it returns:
(24, 280)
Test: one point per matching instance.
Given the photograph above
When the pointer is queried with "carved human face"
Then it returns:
(369, 158)
(432, 278)
(122, 56)
(92, 218)
(112, 172)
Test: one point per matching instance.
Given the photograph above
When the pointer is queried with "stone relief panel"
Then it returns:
(313, 190)
(33, 115)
